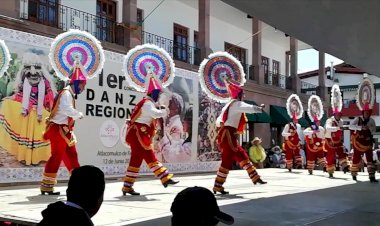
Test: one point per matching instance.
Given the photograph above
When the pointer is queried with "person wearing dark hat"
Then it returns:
(140, 134)
(197, 206)
(362, 129)
(60, 130)
(84, 197)
(232, 121)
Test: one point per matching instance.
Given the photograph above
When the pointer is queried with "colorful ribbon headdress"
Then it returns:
(76, 55)
(294, 107)
(336, 99)
(365, 98)
(221, 76)
(148, 67)
(5, 58)
(315, 108)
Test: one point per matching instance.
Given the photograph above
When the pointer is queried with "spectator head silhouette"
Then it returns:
(197, 206)
(86, 188)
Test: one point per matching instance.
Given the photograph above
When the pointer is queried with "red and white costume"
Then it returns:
(334, 135)
(292, 133)
(362, 130)
(59, 131)
(140, 134)
(231, 123)
(314, 141)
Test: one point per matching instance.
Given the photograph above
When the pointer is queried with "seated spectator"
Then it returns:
(257, 153)
(197, 206)
(84, 197)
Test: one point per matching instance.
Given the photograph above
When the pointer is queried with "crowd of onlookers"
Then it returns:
(275, 157)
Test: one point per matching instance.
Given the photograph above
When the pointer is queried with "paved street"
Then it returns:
(288, 199)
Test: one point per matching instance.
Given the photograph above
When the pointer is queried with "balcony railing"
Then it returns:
(275, 79)
(63, 17)
(181, 52)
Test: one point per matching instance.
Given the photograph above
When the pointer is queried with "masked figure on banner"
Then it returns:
(362, 130)
(22, 114)
(148, 69)
(222, 78)
(292, 133)
(334, 134)
(315, 135)
(75, 56)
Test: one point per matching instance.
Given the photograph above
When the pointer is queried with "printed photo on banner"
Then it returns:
(27, 92)
(175, 140)
(209, 110)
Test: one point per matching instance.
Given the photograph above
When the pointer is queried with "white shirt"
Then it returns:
(320, 134)
(235, 111)
(150, 112)
(371, 125)
(332, 129)
(286, 132)
(66, 109)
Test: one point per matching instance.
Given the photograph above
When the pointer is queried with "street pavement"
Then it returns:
(294, 198)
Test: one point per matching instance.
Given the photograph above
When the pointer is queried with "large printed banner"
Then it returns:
(26, 94)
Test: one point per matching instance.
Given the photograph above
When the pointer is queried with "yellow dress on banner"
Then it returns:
(22, 136)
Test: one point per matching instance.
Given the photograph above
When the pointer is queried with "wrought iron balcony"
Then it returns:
(275, 79)
(63, 17)
(181, 52)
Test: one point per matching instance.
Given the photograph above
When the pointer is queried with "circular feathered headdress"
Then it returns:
(294, 107)
(315, 108)
(365, 98)
(221, 76)
(76, 49)
(336, 99)
(5, 58)
(147, 67)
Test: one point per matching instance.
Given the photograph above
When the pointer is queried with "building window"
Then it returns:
(275, 72)
(181, 37)
(44, 12)
(238, 52)
(265, 64)
(105, 20)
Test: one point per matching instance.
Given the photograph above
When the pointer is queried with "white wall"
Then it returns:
(88, 6)
(161, 21)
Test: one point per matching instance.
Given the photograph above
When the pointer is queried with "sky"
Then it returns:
(308, 60)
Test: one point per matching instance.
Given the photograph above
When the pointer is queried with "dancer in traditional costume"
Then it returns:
(292, 133)
(362, 129)
(334, 134)
(149, 69)
(84, 59)
(222, 78)
(315, 135)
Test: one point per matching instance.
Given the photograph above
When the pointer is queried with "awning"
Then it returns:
(280, 116)
(257, 117)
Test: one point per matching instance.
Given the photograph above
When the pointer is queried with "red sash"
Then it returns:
(143, 132)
